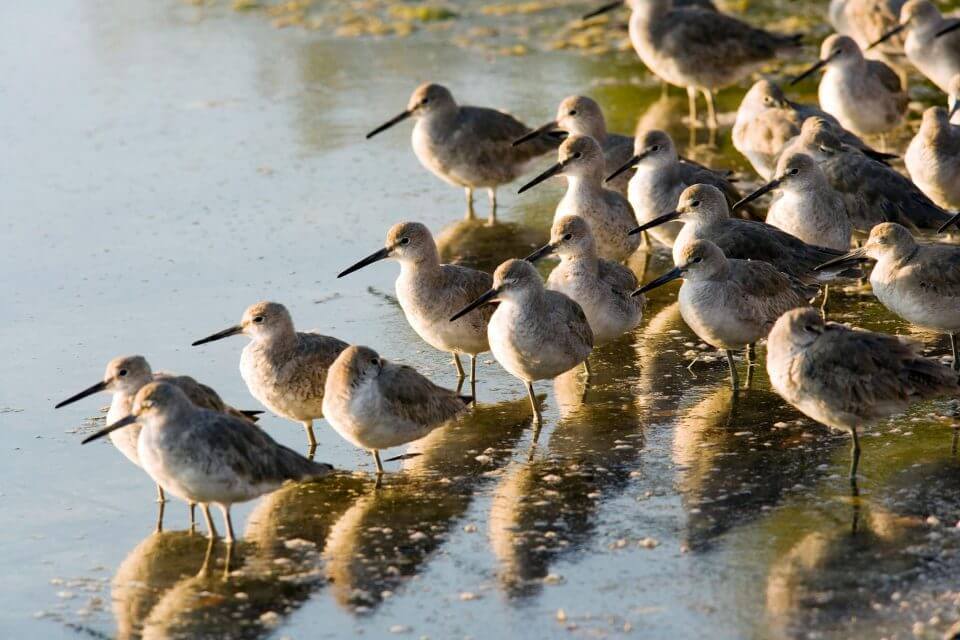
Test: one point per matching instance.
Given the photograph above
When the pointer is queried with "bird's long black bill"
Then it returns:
(110, 428)
(845, 261)
(674, 274)
(629, 164)
(479, 302)
(535, 133)
(946, 225)
(389, 123)
(889, 34)
(954, 109)
(767, 188)
(220, 335)
(89, 391)
(549, 173)
(819, 64)
(656, 222)
(376, 256)
(542, 252)
(947, 29)
(610, 6)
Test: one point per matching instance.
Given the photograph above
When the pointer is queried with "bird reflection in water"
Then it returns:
(476, 244)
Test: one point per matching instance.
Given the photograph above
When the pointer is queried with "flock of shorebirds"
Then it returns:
(747, 275)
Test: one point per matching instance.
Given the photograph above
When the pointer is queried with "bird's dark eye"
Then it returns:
(697, 260)
(655, 148)
(374, 361)
(695, 203)
(811, 328)
(425, 101)
(404, 240)
(572, 112)
(767, 100)
(837, 52)
(578, 155)
(569, 236)
(258, 319)
(793, 171)
(122, 372)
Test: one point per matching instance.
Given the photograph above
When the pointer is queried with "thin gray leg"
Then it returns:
(734, 379)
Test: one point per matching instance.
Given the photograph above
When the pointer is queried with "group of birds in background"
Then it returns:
(746, 276)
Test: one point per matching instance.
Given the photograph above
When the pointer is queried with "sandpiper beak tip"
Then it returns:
(376, 256)
(846, 260)
(488, 297)
(549, 173)
(669, 276)
(226, 333)
(542, 252)
(400, 117)
(110, 428)
(770, 186)
(535, 133)
(889, 34)
(610, 6)
(629, 164)
(953, 220)
(656, 222)
(89, 391)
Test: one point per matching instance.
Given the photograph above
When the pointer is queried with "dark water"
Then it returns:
(166, 164)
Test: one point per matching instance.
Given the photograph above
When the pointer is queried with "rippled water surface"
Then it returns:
(166, 164)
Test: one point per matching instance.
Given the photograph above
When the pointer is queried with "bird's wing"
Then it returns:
(887, 76)
(412, 396)
(500, 129)
(307, 370)
(714, 38)
(877, 373)
(200, 394)
(936, 268)
(617, 276)
(466, 285)
(751, 240)
(248, 450)
(568, 312)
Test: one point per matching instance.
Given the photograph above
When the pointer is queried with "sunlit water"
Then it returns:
(164, 165)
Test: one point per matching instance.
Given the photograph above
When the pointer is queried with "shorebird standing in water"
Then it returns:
(730, 304)
(123, 378)
(376, 404)
(698, 49)
(469, 147)
(609, 213)
(849, 378)
(872, 191)
(918, 282)
(430, 292)
(864, 95)
(582, 116)
(207, 457)
(804, 204)
(767, 121)
(660, 179)
(703, 210)
(931, 45)
(601, 287)
(283, 368)
(535, 334)
(933, 158)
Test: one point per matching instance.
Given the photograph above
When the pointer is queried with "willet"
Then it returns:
(660, 179)
(848, 378)
(535, 334)
(430, 292)
(767, 121)
(918, 282)
(609, 213)
(804, 204)
(730, 303)
(376, 404)
(933, 158)
(467, 147)
(582, 116)
(872, 191)
(864, 95)
(866, 21)
(602, 288)
(283, 368)
(207, 457)
(931, 44)
(123, 378)
(703, 210)
(698, 49)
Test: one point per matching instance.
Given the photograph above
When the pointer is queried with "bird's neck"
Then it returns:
(585, 185)
(423, 266)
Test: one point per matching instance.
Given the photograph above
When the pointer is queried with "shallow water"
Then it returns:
(167, 164)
